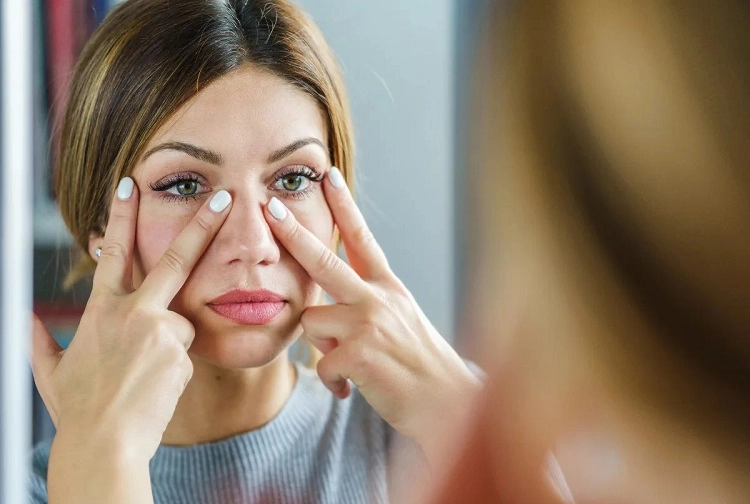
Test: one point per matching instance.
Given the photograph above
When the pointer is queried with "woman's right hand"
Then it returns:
(117, 385)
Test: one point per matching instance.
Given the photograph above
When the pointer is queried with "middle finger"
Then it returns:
(320, 262)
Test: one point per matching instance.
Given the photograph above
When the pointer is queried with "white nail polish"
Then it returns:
(337, 180)
(220, 201)
(277, 209)
(125, 188)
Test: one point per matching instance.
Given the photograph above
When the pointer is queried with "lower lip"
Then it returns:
(249, 313)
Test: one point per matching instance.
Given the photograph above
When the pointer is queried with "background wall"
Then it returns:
(398, 60)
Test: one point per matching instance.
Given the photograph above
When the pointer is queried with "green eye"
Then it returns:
(292, 182)
(186, 187)
(295, 181)
(181, 187)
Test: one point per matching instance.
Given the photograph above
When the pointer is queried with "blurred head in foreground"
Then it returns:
(611, 273)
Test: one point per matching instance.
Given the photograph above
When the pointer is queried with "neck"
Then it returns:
(219, 403)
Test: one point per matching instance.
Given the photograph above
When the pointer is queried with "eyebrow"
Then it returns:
(206, 155)
(294, 146)
(215, 158)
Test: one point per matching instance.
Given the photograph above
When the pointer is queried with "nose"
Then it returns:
(245, 236)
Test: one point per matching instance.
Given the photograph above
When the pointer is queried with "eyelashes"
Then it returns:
(294, 182)
(297, 182)
(184, 187)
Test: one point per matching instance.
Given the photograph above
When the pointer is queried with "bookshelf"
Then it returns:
(62, 28)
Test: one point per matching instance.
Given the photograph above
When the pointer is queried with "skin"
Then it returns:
(234, 362)
(151, 363)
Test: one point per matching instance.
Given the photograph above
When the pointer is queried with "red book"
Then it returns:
(68, 25)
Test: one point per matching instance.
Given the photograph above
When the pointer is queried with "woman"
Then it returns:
(612, 277)
(195, 173)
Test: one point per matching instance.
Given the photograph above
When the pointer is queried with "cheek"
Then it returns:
(156, 231)
(316, 217)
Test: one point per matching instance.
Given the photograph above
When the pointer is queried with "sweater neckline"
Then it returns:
(281, 431)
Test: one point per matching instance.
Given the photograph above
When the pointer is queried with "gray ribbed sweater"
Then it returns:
(318, 449)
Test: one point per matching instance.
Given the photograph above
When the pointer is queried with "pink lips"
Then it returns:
(243, 307)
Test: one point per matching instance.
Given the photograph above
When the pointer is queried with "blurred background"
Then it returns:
(407, 67)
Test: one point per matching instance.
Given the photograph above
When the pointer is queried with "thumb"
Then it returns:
(45, 353)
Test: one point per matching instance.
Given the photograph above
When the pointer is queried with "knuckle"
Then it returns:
(187, 368)
(174, 351)
(364, 236)
(392, 283)
(367, 325)
(188, 333)
(184, 335)
(306, 318)
(114, 250)
(323, 366)
(358, 356)
(203, 221)
(385, 300)
(119, 215)
(328, 261)
(138, 314)
(186, 362)
(153, 330)
(132, 319)
(400, 300)
(374, 304)
(294, 232)
(181, 356)
(175, 261)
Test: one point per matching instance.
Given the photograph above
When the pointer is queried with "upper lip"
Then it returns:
(247, 296)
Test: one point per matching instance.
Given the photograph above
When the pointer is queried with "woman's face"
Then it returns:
(256, 136)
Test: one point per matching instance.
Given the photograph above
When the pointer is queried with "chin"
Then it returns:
(242, 347)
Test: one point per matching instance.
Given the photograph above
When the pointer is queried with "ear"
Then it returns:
(95, 241)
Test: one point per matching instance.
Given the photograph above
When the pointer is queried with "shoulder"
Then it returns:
(38, 473)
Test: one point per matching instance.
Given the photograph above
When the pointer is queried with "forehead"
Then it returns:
(248, 111)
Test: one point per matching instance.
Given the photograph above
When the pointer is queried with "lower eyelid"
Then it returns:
(300, 195)
(177, 198)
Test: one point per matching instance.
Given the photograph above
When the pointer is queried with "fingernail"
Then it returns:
(125, 188)
(277, 209)
(337, 180)
(220, 201)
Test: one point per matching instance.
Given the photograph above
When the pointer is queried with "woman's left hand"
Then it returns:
(375, 334)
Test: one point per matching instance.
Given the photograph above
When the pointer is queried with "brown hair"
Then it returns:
(148, 58)
(622, 133)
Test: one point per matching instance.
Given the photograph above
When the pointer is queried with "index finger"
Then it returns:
(168, 276)
(335, 276)
(114, 267)
(362, 250)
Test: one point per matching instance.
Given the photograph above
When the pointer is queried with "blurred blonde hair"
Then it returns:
(614, 167)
